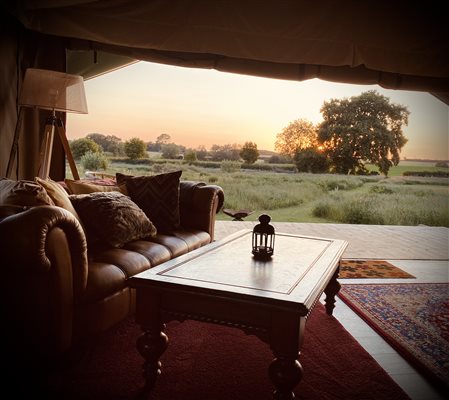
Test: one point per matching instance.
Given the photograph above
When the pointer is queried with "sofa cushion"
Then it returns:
(128, 261)
(111, 219)
(58, 194)
(176, 246)
(157, 196)
(194, 238)
(23, 193)
(104, 279)
(83, 187)
(155, 253)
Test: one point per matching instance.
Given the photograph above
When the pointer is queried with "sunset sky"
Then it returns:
(205, 107)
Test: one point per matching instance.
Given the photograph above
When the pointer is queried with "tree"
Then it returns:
(299, 134)
(163, 139)
(98, 138)
(135, 148)
(109, 143)
(364, 128)
(118, 149)
(311, 160)
(249, 152)
(170, 151)
(81, 146)
(225, 152)
(201, 153)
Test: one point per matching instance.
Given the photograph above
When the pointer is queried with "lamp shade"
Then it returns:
(52, 90)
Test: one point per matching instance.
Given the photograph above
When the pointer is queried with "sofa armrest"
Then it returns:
(199, 203)
(25, 243)
(44, 270)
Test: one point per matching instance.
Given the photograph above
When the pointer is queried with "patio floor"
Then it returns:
(420, 250)
(365, 241)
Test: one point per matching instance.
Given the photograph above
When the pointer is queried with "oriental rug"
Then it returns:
(413, 318)
(370, 269)
(208, 361)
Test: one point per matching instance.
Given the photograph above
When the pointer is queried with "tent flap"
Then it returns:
(93, 63)
(397, 45)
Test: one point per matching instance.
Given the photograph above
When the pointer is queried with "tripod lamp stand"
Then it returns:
(55, 91)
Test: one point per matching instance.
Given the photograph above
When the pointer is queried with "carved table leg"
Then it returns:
(286, 335)
(151, 345)
(331, 290)
(285, 373)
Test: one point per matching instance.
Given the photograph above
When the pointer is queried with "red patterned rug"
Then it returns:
(212, 362)
(370, 269)
(412, 317)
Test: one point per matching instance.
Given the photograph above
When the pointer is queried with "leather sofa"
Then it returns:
(58, 295)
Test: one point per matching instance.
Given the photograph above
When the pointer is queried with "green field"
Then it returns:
(301, 197)
(416, 166)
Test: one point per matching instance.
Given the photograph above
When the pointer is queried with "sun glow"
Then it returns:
(205, 107)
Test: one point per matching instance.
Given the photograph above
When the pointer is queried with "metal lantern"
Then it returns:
(263, 238)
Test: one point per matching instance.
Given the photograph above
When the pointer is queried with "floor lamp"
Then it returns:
(55, 91)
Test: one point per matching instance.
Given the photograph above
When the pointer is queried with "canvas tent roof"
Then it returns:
(398, 45)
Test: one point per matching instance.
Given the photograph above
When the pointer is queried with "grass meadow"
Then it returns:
(327, 198)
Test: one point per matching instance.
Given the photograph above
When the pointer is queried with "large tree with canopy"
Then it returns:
(364, 128)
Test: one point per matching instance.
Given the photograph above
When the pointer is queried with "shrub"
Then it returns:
(310, 160)
(279, 159)
(93, 161)
(435, 174)
(135, 148)
(361, 210)
(81, 146)
(442, 164)
(190, 156)
(321, 210)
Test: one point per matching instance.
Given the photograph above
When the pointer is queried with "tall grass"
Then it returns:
(261, 191)
(412, 207)
(293, 197)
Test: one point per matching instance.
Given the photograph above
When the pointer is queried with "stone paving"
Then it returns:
(388, 242)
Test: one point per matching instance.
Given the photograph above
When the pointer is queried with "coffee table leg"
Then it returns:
(286, 336)
(285, 373)
(331, 290)
(151, 345)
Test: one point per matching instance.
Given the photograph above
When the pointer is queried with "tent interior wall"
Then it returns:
(398, 45)
(21, 49)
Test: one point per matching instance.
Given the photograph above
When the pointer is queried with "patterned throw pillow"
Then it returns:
(111, 219)
(157, 196)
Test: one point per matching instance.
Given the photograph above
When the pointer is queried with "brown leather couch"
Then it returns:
(57, 294)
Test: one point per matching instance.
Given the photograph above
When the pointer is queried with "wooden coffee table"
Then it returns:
(222, 283)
